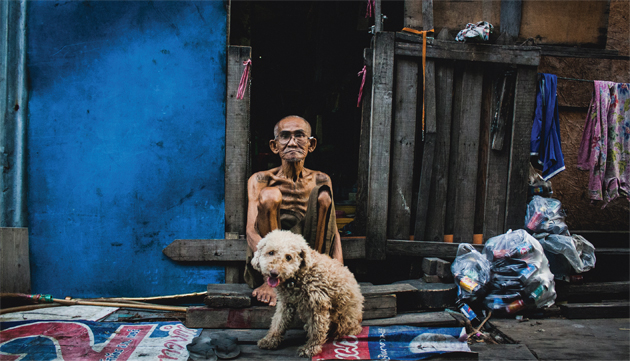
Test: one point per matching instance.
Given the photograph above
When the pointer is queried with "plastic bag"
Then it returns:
(520, 275)
(537, 185)
(471, 271)
(545, 215)
(579, 252)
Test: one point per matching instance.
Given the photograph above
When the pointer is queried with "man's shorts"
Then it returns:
(307, 227)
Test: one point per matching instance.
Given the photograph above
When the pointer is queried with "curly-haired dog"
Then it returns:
(321, 290)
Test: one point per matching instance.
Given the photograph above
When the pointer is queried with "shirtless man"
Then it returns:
(290, 197)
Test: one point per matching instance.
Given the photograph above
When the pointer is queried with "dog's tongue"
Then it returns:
(273, 282)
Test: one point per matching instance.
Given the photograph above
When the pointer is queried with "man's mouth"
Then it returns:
(273, 282)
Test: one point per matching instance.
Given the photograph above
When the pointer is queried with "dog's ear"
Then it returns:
(256, 259)
(307, 261)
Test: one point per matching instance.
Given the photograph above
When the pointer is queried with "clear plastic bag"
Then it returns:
(471, 271)
(520, 275)
(579, 252)
(545, 215)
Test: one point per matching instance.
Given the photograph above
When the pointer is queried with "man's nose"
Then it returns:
(293, 139)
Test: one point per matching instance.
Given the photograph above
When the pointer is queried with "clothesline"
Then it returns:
(586, 80)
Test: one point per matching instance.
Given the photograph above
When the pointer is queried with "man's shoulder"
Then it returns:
(264, 176)
(320, 177)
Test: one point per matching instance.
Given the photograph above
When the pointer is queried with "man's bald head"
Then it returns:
(307, 126)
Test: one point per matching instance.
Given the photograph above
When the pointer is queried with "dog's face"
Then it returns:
(280, 255)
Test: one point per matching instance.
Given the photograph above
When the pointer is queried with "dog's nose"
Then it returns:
(273, 274)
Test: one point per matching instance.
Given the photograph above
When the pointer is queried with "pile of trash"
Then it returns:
(510, 275)
(568, 254)
(516, 270)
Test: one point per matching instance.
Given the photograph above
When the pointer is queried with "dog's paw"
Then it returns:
(269, 343)
(309, 351)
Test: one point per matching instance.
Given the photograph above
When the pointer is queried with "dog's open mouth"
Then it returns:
(273, 282)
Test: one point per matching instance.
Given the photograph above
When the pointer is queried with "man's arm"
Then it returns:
(254, 186)
(337, 252)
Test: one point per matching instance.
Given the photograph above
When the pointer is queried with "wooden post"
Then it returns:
(236, 142)
(403, 148)
(236, 151)
(524, 106)
(378, 16)
(430, 129)
(380, 145)
(467, 150)
(364, 145)
(15, 269)
(510, 18)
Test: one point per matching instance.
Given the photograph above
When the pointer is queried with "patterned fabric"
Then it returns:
(605, 147)
(479, 31)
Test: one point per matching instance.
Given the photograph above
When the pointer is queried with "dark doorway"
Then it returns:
(306, 56)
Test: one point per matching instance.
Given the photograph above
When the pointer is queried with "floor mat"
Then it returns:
(396, 343)
(87, 340)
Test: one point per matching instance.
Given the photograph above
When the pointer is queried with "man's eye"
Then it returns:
(288, 257)
(300, 135)
(270, 253)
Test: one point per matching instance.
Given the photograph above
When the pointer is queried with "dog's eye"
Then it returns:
(288, 257)
(270, 253)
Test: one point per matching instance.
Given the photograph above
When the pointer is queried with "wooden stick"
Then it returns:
(117, 304)
(480, 326)
(28, 308)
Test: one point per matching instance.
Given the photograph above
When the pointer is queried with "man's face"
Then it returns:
(292, 141)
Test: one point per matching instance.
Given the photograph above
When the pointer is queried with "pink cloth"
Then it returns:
(605, 147)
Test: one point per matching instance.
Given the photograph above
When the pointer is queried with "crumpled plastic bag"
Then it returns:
(520, 273)
(579, 252)
(479, 31)
(471, 271)
(545, 215)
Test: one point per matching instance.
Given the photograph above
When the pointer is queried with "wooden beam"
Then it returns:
(496, 183)
(510, 18)
(524, 106)
(424, 249)
(434, 229)
(236, 142)
(364, 145)
(575, 52)
(230, 250)
(439, 49)
(607, 309)
(380, 144)
(425, 319)
(467, 123)
(403, 148)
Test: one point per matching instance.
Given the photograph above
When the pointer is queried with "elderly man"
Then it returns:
(290, 197)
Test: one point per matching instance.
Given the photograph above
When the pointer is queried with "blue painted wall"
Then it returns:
(126, 141)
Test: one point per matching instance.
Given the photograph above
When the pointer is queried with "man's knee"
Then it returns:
(269, 198)
(324, 199)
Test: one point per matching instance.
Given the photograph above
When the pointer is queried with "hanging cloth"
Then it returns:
(605, 147)
(545, 139)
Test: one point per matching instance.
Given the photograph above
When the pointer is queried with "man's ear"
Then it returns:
(273, 145)
(312, 144)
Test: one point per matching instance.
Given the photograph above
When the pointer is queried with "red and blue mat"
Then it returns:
(87, 340)
(396, 343)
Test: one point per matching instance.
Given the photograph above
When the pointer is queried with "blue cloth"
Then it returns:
(545, 139)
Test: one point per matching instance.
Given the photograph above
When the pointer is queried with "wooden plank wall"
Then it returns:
(473, 173)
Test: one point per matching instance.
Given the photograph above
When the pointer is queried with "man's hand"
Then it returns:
(265, 294)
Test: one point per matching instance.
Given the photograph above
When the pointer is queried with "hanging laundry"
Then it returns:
(605, 147)
(545, 138)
